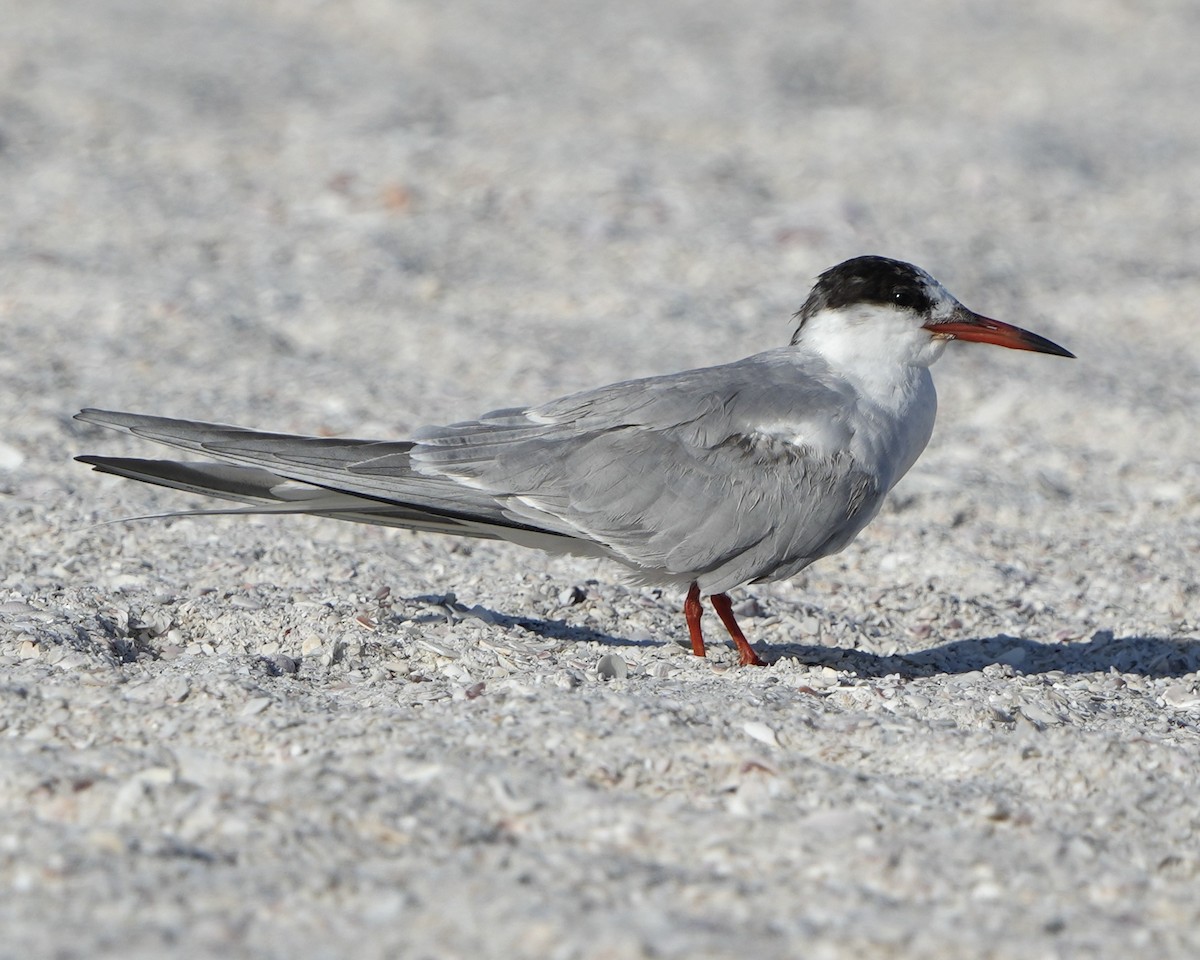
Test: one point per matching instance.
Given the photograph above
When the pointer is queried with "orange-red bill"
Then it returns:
(966, 325)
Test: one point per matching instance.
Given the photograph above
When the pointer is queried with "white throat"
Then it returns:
(885, 357)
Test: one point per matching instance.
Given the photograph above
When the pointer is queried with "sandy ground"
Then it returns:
(269, 737)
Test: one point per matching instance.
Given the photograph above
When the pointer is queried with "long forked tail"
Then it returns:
(359, 480)
(264, 492)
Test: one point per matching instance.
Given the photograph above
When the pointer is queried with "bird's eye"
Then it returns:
(908, 297)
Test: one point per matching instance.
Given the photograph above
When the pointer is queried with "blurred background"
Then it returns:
(372, 214)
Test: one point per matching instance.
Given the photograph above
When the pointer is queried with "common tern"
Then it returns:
(708, 479)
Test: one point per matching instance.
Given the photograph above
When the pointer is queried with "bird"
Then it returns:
(708, 479)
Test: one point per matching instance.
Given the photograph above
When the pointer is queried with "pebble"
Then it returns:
(441, 649)
(255, 706)
(11, 607)
(757, 730)
(10, 457)
(243, 602)
(312, 643)
(287, 666)
(1182, 696)
(612, 667)
(1039, 715)
(457, 673)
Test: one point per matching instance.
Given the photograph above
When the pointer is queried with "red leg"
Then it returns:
(746, 655)
(692, 610)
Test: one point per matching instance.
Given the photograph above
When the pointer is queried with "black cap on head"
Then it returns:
(878, 280)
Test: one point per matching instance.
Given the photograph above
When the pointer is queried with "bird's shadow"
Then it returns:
(1102, 652)
(449, 609)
